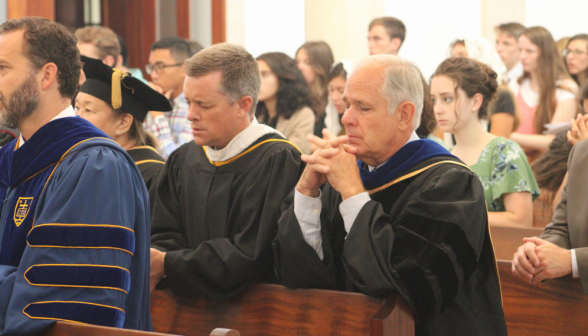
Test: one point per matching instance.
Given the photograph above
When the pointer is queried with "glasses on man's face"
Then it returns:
(158, 67)
(575, 52)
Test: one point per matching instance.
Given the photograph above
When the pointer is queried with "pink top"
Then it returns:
(527, 116)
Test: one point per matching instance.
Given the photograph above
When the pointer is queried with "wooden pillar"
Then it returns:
(19, 8)
(183, 18)
(219, 34)
(134, 20)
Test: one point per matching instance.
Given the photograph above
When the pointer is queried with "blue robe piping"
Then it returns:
(405, 158)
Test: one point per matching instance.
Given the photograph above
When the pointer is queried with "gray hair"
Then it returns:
(238, 67)
(403, 82)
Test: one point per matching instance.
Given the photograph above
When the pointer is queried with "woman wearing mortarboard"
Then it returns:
(117, 104)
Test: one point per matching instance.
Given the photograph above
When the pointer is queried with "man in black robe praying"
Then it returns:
(408, 217)
(217, 201)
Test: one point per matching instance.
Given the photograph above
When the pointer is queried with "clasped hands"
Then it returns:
(579, 129)
(537, 260)
(333, 161)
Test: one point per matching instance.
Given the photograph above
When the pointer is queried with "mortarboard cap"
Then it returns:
(121, 90)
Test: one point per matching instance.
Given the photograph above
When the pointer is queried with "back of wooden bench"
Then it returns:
(265, 309)
(554, 307)
(506, 240)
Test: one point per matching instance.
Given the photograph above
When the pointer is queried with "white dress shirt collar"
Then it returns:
(240, 142)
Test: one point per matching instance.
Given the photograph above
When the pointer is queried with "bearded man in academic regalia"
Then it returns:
(74, 222)
(217, 200)
(397, 213)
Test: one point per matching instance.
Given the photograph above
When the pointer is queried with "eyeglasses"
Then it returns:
(158, 67)
(575, 52)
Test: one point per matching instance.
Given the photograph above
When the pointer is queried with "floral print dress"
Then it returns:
(503, 168)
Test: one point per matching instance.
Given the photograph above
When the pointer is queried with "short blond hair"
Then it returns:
(103, 38)
(238, 68)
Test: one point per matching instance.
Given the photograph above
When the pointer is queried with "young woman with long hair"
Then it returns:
(461, 89)
(545, 93)
(315, 59)
(285, 99)
(576, 58)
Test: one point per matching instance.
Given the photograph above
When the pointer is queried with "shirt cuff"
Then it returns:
(308, 213)
(575, 272)
(351, 207)
(307, 209)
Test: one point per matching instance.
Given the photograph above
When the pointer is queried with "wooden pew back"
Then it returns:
(554, 307)
(276, 310)
(506, 240)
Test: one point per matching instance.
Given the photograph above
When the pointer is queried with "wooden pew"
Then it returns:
(61, 328)
(276, 310)
(554, 307)
(506, 240)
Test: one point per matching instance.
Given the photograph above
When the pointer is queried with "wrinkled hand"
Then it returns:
(312, 178)
(579, 129)
(157, 268)
(525, 261)
(555, 261)
(337, 162)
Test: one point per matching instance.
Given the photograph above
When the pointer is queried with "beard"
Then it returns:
(21, 104)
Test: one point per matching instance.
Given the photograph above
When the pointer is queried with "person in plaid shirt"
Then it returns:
(172, 129)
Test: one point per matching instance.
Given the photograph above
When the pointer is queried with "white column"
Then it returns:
(343, 24)
(496, 12)
(201, 22)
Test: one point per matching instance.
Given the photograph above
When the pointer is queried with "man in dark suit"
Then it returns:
(563, 247)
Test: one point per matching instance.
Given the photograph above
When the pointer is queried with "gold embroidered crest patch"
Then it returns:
(22, 209)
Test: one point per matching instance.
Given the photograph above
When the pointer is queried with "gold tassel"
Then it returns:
(117, 77)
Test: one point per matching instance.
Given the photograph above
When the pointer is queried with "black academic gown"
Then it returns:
(217, 221)
(425, 237)
(148, 161)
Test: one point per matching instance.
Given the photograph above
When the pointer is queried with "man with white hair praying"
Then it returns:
(396, 214)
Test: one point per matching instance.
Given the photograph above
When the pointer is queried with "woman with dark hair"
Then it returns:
(576, 58)
(461, 90)
(336, 107)
(314, 60)
(545, 93)
(122, 120)
(285, 99)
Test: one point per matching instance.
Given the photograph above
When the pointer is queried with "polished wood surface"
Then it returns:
(275, 310)
(134, 20)
(219, 25)
(554, 307)
(183, 19)
(18, 8)
(506, 240)
(76, 329)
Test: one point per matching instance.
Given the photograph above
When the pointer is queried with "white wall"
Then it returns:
(563, 18)
(201, 22)
(273, 25)
(432, 25)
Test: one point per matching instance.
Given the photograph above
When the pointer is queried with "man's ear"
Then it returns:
(109, 60)
(405, 114)
(396, 43)
(245, 104)
(48, 74)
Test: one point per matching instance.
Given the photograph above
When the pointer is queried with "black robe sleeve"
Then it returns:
(222, 267)
(429, 251)
(297, 263)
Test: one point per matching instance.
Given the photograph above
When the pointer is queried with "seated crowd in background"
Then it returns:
(305, 172)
